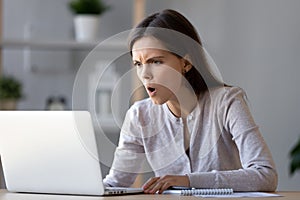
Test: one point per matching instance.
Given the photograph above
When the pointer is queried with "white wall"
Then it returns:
(255, 44)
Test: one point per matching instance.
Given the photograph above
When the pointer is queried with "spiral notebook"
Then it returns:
(195, 191)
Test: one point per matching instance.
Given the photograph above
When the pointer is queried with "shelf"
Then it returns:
(30, 45)
(39, 44)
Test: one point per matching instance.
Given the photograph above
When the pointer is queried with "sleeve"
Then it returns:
(258, 171)
(129, 154)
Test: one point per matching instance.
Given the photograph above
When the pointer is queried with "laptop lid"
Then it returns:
(50, 152)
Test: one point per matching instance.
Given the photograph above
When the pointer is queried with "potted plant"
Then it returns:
(87, 18)
(295, 158)
(10, 92)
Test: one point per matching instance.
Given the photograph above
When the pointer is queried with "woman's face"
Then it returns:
(159, 70)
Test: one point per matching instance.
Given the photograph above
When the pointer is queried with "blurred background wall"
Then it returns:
(255, 44)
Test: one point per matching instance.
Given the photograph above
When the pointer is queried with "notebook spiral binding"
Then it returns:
(219, 191)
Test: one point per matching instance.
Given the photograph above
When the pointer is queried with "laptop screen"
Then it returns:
(50, 152)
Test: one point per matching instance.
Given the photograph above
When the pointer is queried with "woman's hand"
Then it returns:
(159, 184)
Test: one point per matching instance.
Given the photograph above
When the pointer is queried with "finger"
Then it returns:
(150, 182)
(152, 189)
(164, 187)
(156, 187)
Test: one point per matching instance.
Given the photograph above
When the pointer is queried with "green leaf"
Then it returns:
(295, 163)
(295, 158)
(10, 88)
(96, 7)
(296, 149)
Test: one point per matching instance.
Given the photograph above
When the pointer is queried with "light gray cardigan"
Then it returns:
(226, 147)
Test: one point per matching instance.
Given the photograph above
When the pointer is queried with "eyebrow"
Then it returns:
(151, 59)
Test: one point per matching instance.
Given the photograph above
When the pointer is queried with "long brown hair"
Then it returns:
(181, 38)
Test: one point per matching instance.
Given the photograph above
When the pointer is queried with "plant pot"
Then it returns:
(86, 27)
(8, 104)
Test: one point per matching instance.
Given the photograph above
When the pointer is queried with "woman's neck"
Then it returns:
(183, 104)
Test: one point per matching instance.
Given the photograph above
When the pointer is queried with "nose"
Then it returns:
(145, 73)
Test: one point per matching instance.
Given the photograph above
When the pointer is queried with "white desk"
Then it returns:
(4, 195)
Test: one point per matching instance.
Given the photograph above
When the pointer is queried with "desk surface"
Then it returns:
(4, 195)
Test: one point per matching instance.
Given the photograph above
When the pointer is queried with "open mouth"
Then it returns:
(151, 89)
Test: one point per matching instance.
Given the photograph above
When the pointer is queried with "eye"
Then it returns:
(137, 64)
(157, 62)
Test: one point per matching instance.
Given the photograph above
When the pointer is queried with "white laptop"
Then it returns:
(52, 152)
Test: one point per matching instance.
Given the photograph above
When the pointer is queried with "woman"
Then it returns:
(194, 130)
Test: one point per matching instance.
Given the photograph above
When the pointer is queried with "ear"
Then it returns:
(187, 63)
